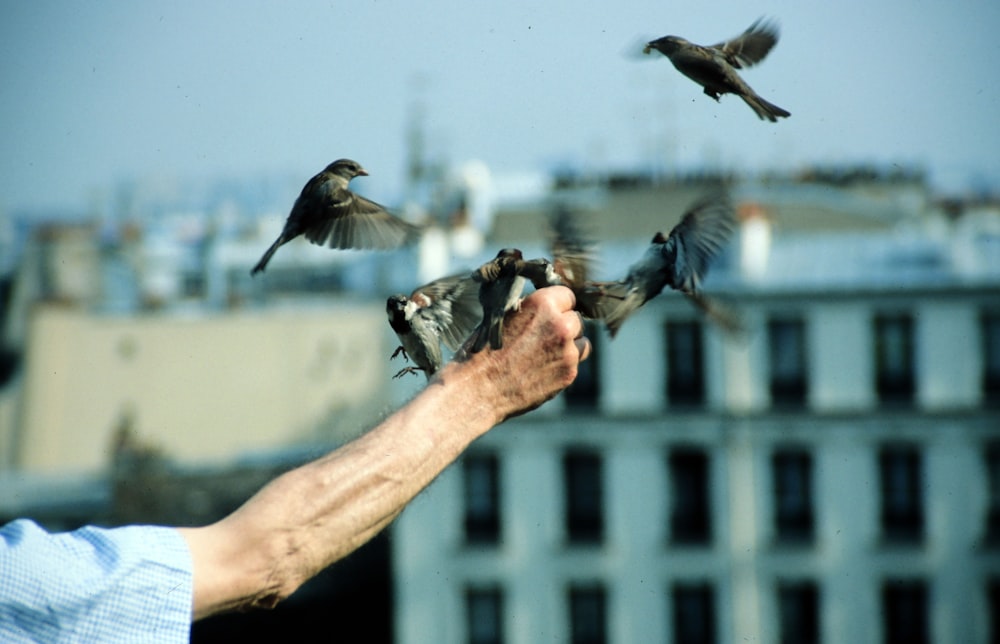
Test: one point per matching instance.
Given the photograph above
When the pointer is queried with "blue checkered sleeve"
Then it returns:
(130, 584)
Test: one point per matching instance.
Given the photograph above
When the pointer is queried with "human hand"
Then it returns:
(543, 345)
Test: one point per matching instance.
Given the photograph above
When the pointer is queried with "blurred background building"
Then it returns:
(832, 474)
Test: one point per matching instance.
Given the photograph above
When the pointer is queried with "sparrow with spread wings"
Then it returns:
(714, 67)
(679, 260)
(445, 310)
(327, 212)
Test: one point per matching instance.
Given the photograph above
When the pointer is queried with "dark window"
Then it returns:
(993, 606)
(693, 613)
(685, 368)
(791, 470)
(584, 497)
(991, 358)
(902, 494)
(585, 392)
(904, 612)
(482, 498)
(798, 613)
(587, 619)
(993, 494)
(787, 345)
(894, 359)
(484, 615)
(690, 515)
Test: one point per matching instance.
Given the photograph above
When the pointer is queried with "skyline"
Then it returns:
(94, 94)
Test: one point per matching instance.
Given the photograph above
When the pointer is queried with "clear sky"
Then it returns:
(93, 92)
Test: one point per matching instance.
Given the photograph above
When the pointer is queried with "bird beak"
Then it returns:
(648, 48)
(362, 172)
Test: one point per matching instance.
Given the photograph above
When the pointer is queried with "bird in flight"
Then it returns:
(714, 67)
(328, 213)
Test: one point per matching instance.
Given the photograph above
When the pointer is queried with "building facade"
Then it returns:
(830, 475)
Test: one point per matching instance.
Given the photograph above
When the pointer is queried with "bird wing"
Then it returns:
(454, 309)
(572, 250)
(697, 239)
(345, 220)
(596, 300)
(750, 47)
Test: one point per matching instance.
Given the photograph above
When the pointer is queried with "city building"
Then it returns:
(832, 474)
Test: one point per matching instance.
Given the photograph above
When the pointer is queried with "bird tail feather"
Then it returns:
(479, 338)
(262, 264)
(496, 334)
(765, 110)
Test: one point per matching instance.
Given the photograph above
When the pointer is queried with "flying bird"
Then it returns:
(679, 260)
(327, 212)
(445, 310)
(572, 262)
(500, 285)
(714, 67)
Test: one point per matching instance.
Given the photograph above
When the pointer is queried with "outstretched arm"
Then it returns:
(314, 515)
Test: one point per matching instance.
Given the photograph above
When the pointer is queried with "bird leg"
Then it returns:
(406, 370)
(398, 351)
(712, 94)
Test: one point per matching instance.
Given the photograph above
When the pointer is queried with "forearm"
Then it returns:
(314, 515)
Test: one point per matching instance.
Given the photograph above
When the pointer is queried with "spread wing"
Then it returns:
(572, 250)
(453, 308)
(750, 47)
(697, 239)
(339, 218)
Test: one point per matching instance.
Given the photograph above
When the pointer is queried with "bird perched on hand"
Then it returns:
(679, 260)
(445, 310)
(500, 285)
(714, 68)
(326, 212)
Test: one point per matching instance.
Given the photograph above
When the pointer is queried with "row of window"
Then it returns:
(694, 612)
(900, 469)
(894, 346)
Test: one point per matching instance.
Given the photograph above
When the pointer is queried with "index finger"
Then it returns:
(563, 298)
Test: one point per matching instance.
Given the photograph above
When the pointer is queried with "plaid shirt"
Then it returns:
(130, 584)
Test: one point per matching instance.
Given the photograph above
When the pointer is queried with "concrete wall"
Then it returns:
(204, 387)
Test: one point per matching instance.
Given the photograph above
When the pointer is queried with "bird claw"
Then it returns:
(398, 351)
(406, 370)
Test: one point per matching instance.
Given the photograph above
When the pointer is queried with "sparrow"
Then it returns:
(679, 260)
(500, 286)
(714, 68)
(572, 250)
(572, 259)
(326, 212)
(445, 310)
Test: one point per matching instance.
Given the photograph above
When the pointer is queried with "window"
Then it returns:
(587, 619)
(902, 494)
(798, 613)
(991, 358)
(894, 359)
(693, 613)
(791, 470)
(585, 392)
(993, 494)
(787, 346)
(584, 497)
(690, 515)
(904, 612)
(685, 371)
(484, 615)
(993, 607)
(480, 473)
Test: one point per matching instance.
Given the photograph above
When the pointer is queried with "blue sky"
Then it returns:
(94, 92)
